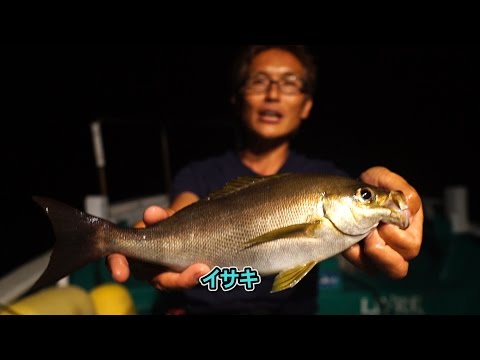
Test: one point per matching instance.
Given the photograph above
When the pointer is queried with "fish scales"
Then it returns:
(218, 230)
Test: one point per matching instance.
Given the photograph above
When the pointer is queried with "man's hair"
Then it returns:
(244, 60)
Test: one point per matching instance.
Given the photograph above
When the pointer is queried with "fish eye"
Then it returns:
(365, 194)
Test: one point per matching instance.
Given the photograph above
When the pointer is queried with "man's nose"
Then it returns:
(273, 91)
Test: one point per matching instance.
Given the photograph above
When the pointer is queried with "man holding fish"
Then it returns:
(274, 87)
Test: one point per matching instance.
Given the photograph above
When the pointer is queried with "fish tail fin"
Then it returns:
(79, 240)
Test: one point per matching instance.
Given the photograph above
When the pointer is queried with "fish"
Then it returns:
(282, 224)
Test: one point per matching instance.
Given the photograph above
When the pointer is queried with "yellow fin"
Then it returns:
(289, 278)
(286, 232)
(241, 183)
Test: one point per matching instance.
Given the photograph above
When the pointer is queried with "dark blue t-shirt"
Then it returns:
(204, 177)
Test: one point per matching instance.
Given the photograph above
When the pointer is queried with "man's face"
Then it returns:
(274, 104)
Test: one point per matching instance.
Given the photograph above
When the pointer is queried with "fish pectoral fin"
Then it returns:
(289, 278)
(285, 233)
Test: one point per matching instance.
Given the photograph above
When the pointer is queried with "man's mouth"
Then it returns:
(270, 116)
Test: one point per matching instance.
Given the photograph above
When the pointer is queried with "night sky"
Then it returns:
(412, 108)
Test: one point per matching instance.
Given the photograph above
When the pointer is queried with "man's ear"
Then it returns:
(307, 108)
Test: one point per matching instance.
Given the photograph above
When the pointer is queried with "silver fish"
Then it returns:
(283, 224)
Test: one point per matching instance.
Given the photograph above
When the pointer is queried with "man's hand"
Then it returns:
(388, 248)
(162, 279)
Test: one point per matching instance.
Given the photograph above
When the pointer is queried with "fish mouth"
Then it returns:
(403, 219)
(400, 213)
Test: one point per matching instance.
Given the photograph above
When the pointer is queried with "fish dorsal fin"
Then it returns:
(289, 278)
(240, 183)
(297, 230)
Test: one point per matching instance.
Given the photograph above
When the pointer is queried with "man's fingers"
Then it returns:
(154, 214)
(384, 256)
(388, 248)
(356, 256)
(118, 265)
(406, 242)
(184, 280)
(373, 254)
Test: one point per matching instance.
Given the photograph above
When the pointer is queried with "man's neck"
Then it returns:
(267, 162)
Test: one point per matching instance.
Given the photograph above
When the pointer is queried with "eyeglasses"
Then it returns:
(289, 84)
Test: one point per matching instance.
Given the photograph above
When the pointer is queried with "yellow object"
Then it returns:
(112, 299)
(70, 300)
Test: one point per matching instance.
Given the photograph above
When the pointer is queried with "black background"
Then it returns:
(410, 107)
